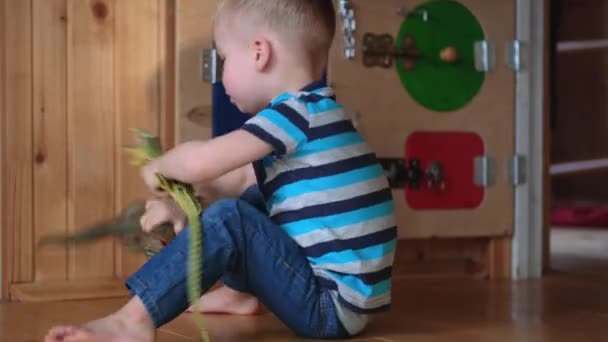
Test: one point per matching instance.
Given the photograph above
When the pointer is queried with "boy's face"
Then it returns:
(240, 77)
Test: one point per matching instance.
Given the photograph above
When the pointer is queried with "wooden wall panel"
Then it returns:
(50, 134)
(5, 266)
(16, 142)
(194, 105)
(168, 72)
(81, 74)
(91, 124)
(137, 83)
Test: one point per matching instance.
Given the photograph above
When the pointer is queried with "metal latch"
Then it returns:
(485, 56)
(212, 66)
(379, 50)
(515, 55)
(485, 171)
(517, 170)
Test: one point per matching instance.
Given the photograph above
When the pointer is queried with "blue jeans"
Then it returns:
(249, 253)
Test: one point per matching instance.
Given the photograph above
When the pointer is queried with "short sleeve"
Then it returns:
(281, 126)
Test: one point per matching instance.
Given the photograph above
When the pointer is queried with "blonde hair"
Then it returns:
(309, 23)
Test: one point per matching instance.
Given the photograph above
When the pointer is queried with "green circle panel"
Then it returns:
(435, 84)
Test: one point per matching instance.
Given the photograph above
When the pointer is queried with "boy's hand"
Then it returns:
(148, 173)
(162, 210)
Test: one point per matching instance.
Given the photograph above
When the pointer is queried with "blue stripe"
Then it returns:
(282, 97)
(348, 256)
(340, 220)
(325, 131)
(326, 170)
(329, 284)
(279, 120)
(323, 105)
(334, 208)
(268, 160)
(359, 242)
(330, 143)
(293, 116)
(277, 144)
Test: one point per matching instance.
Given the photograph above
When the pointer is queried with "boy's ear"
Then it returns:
(262, 51)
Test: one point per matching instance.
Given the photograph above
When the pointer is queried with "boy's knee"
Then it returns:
(221, 209)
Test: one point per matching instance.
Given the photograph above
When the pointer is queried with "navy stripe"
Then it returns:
(314, 98)
(325, 170)
(334, 128)
(360, 242)
(260, 171)
(375, 277)
(334, 208)
(293, 117)
(331, 285)
(372, 277)
(277, 144)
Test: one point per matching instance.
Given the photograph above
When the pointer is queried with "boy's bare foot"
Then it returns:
(129, 324)
(228, 301)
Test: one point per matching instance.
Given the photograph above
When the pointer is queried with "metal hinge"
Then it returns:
(485, 56)
(517, 170)
(349, 25)
(212, 66)
(485, 171)
(514, 55)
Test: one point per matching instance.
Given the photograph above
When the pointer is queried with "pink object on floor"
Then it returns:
(580, 216)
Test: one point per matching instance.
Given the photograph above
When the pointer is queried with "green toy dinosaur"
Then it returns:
(184, 195)
(125, 227)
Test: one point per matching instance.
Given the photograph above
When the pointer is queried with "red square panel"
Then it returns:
(456, 153)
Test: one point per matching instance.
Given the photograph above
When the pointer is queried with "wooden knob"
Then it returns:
(449, 55)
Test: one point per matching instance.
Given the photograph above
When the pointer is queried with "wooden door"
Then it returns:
(388, 114)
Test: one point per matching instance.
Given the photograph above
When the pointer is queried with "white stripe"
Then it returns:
(298, 107)
(347, 232)
(275, 131)
(355, 297)
(316, 159)
(362, 266)
(328, 117)
(327, 92)
(330, 196)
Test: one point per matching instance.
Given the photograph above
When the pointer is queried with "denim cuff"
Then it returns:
(138, 288)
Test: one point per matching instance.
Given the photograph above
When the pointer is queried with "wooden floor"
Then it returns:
(567, 305)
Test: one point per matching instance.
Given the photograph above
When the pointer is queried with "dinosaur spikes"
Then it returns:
(148, 148)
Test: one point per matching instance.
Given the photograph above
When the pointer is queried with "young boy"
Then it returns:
(309, 230)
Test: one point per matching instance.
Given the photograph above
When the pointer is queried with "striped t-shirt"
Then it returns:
(324, 186)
